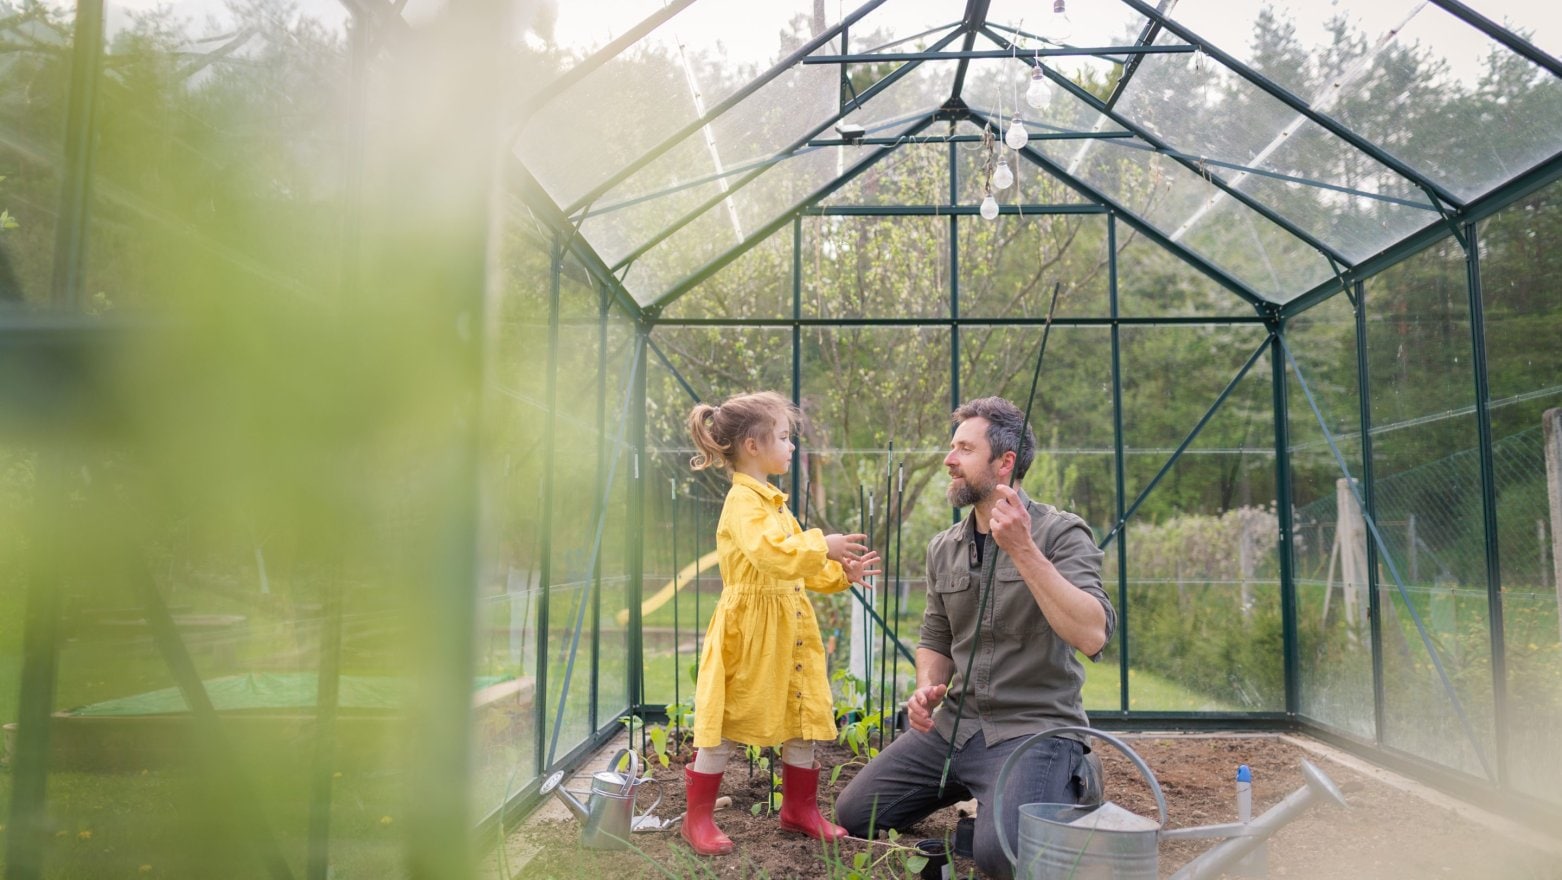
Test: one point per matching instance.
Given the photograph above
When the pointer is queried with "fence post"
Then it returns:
(1552, 420)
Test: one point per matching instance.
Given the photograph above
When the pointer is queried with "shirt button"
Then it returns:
(797, 589)
(799, 667)
(799, 614)
(799, 643)
(799, 694)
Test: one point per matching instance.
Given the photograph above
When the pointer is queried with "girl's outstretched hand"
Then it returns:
(844, 547)
(860, 568)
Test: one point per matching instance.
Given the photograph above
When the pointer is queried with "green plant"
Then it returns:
(758, 758)
(898, 860)
(857, 726)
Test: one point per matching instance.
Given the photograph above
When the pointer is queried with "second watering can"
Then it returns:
(608, 813)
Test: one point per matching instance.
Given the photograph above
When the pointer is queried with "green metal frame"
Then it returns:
(567, 249)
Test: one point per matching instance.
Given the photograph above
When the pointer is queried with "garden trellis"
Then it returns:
(348, 345)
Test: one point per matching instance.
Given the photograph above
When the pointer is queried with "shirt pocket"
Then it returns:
(958, 598)
(1017, 612)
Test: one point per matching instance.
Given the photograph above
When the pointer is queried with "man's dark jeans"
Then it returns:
(900, 786)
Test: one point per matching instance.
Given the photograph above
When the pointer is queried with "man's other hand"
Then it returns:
(919, 709)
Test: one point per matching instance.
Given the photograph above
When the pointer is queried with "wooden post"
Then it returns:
(1410, 549)
(1552, 420)
(1351, 532)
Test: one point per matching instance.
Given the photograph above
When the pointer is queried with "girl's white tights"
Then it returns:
(797, 752)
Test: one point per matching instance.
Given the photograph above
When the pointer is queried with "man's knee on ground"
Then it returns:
(993, 863)
(854, 812)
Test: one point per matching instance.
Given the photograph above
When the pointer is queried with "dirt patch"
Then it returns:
(1387, 832)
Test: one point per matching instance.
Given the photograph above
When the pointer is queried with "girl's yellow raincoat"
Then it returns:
(762, 674)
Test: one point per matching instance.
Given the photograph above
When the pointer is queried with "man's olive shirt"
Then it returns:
(1026, 678)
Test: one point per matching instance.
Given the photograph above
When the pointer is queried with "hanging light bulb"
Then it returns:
(1061, 27)
(1003, 178)
(989, 207)
(1040, 91)
(1016, 137)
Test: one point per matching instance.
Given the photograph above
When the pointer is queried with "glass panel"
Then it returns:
(710, 235)
(1427, 495)
(1525, 19)
(1414, 79)
(865, 267)
(1009, 266)
(515, 411)
(33, 94)
(1329, 554)
(1154, 282)
(1230, 235)
(682, 69)
(1203, 576)
(1290, 165)
(914, 174)
(617, 466)
(918, 93)
(757, 284)
(578, 431)
(1518, 289)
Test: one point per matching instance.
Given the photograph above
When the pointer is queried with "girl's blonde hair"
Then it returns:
(719, 430)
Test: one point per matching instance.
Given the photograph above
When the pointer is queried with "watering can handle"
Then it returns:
(631, 773)
(1014, 756)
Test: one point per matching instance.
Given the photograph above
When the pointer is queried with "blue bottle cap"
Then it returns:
(1244, 774)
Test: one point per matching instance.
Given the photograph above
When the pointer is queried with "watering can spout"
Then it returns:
(552, 784)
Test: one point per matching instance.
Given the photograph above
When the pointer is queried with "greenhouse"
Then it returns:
(348, 351)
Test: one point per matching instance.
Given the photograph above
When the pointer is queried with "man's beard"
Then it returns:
(966, 493)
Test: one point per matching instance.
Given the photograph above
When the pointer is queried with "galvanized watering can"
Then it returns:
(607, 816)
(1106, 842)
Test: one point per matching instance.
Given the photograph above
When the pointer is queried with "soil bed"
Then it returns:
(1388, 832)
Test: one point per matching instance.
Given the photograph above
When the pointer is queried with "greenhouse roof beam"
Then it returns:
(978, 54)
(721, 107)
(531, 103)
(963, 321)
(539, 202)
(784, 218)
(1502, 35)
(1268, 213)
(1147, 36)
(975, 16)
(726, 191)
(766, 162)
(1540, 176)
(1329, 123)
(946, 210)
(1148, 229)
(970, 139)
(1428, 206)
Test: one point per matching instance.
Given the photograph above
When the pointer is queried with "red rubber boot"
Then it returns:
(698, 827)
(800, 804)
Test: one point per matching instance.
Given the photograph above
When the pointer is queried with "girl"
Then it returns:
(762, 674)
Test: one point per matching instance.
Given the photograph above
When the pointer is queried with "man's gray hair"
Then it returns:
(1005, 424)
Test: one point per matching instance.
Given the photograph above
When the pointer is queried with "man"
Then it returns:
(1046, 603)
